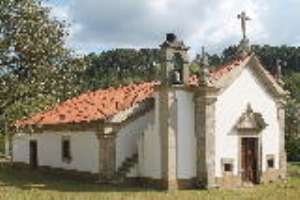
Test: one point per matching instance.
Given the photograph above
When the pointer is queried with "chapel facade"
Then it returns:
(216, 129)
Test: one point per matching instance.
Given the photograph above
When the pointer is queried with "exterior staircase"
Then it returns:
(124, 169)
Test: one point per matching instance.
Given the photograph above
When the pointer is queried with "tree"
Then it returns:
(292, 84)
(38, 71)
(119, 67)
(292, 131)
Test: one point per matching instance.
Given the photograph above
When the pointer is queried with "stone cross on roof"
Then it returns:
(244, 18)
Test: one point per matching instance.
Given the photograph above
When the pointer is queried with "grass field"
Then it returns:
(22, 184)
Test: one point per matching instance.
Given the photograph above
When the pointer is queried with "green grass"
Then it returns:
(16, 183)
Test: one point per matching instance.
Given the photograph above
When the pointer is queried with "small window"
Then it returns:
(270, 163)
(228, 167)
(66, 150)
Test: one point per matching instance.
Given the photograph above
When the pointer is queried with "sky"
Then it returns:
(97, 25)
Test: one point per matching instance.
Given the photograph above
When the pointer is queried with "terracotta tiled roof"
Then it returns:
(94, 105)
(193, 80)
(225, 69)
(101, 104)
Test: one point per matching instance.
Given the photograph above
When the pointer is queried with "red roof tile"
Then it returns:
(94, 105)
(101, 104)
(225, 69)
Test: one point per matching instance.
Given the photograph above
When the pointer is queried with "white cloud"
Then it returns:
(60, 12)
(105, 24)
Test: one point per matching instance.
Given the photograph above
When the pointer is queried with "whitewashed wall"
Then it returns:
(84, 150)
(186, 139)
(149, 154)
(20, 149)
(149, 147)
(149, 142)
(230, 105)
(127, 139)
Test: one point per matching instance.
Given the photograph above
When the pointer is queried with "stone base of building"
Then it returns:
(70, 174)
(228, 181)
(234, 181)
(271, 175)
(164, 184)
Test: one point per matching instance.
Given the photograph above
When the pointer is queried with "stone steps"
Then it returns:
(124, 169)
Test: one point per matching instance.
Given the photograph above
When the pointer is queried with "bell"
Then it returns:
(176, 78)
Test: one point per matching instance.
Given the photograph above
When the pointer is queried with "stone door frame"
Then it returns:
(259, 156)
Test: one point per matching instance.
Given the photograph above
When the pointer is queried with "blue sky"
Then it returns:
(108, 24)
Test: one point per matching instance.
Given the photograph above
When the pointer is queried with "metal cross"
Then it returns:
(243, 18)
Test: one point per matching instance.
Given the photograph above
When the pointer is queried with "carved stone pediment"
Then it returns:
(250, 121)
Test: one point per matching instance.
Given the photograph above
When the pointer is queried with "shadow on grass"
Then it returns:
(27, 179)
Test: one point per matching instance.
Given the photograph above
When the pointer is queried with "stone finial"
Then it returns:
(204, 78)
(249, 108)
(279, 64)
(172, 41)
(204, 58)
(171, 37)
(244, 48)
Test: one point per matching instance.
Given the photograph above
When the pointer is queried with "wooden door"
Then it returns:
(250, 160)
(33, 153)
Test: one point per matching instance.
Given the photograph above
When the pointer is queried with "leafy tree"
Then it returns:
(37, 70)
(293, 130)
(292, 84)
(268, 55)
(119, 67)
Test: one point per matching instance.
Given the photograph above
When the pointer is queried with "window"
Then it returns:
(270, 161)
(66, 149)
(228, 167)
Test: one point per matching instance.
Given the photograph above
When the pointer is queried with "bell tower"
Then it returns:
(175, 69)
(174, 75)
